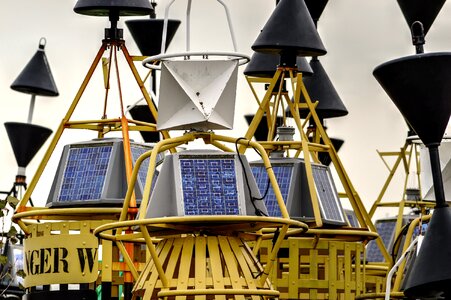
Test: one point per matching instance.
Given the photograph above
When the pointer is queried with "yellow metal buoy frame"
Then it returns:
(55, 235)
(190, 263)
(324, 263)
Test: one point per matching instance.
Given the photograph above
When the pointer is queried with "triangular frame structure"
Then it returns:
(312, 139)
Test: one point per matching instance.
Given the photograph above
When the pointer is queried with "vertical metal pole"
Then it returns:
(188, 26)
(31, 109)
(437, 176)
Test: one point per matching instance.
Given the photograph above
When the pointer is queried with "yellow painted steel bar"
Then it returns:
(151, 170)
(140, 83)
(221, 146)
(305, 148)
(273, 255)
(388, 180)
(249, 81)
(273, 116)
(196, 292)
(170, 143)
(320, 232)
(390, 176)
(257, 221)
(65, 212)
(60, 129)
(408, 240)
(401, 205)
(154, 255)
(261, 109)
(128, 260)
(268, 167)
(128, 160)
(355, 201)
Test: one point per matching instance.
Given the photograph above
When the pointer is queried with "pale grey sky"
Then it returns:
(358, 34)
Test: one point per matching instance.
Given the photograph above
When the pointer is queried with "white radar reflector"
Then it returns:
(197, 94)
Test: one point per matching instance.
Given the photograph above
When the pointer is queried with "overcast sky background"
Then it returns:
(358, 34)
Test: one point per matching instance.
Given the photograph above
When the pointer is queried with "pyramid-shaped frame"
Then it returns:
(197, 94)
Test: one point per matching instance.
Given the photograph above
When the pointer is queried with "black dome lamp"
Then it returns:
(420, 86)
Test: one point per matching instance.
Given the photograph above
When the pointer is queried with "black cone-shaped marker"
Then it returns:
(424, 11)
(420, 86)
(26, 140)
(290, 32)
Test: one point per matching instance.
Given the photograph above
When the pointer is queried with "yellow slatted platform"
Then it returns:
(204, 267)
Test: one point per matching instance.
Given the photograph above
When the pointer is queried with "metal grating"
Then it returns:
(85, 172)
(283, 177)
(327, 195)
(209, 186)
(385, 229)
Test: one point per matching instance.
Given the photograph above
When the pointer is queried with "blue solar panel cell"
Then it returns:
(385, 229)
(85, 172)
(327, 195)
(137, 151)
(209, 186)
(283, 177)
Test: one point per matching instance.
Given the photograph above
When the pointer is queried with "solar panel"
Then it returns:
(291, 176)
(205, 182)
(209, 186)
(283, 176)
(386, 229)
(352, 218)
(84, 176)
(137, 151)
(328, 199)
(93, 172)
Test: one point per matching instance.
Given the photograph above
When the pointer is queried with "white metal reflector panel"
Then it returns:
(197, 94)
